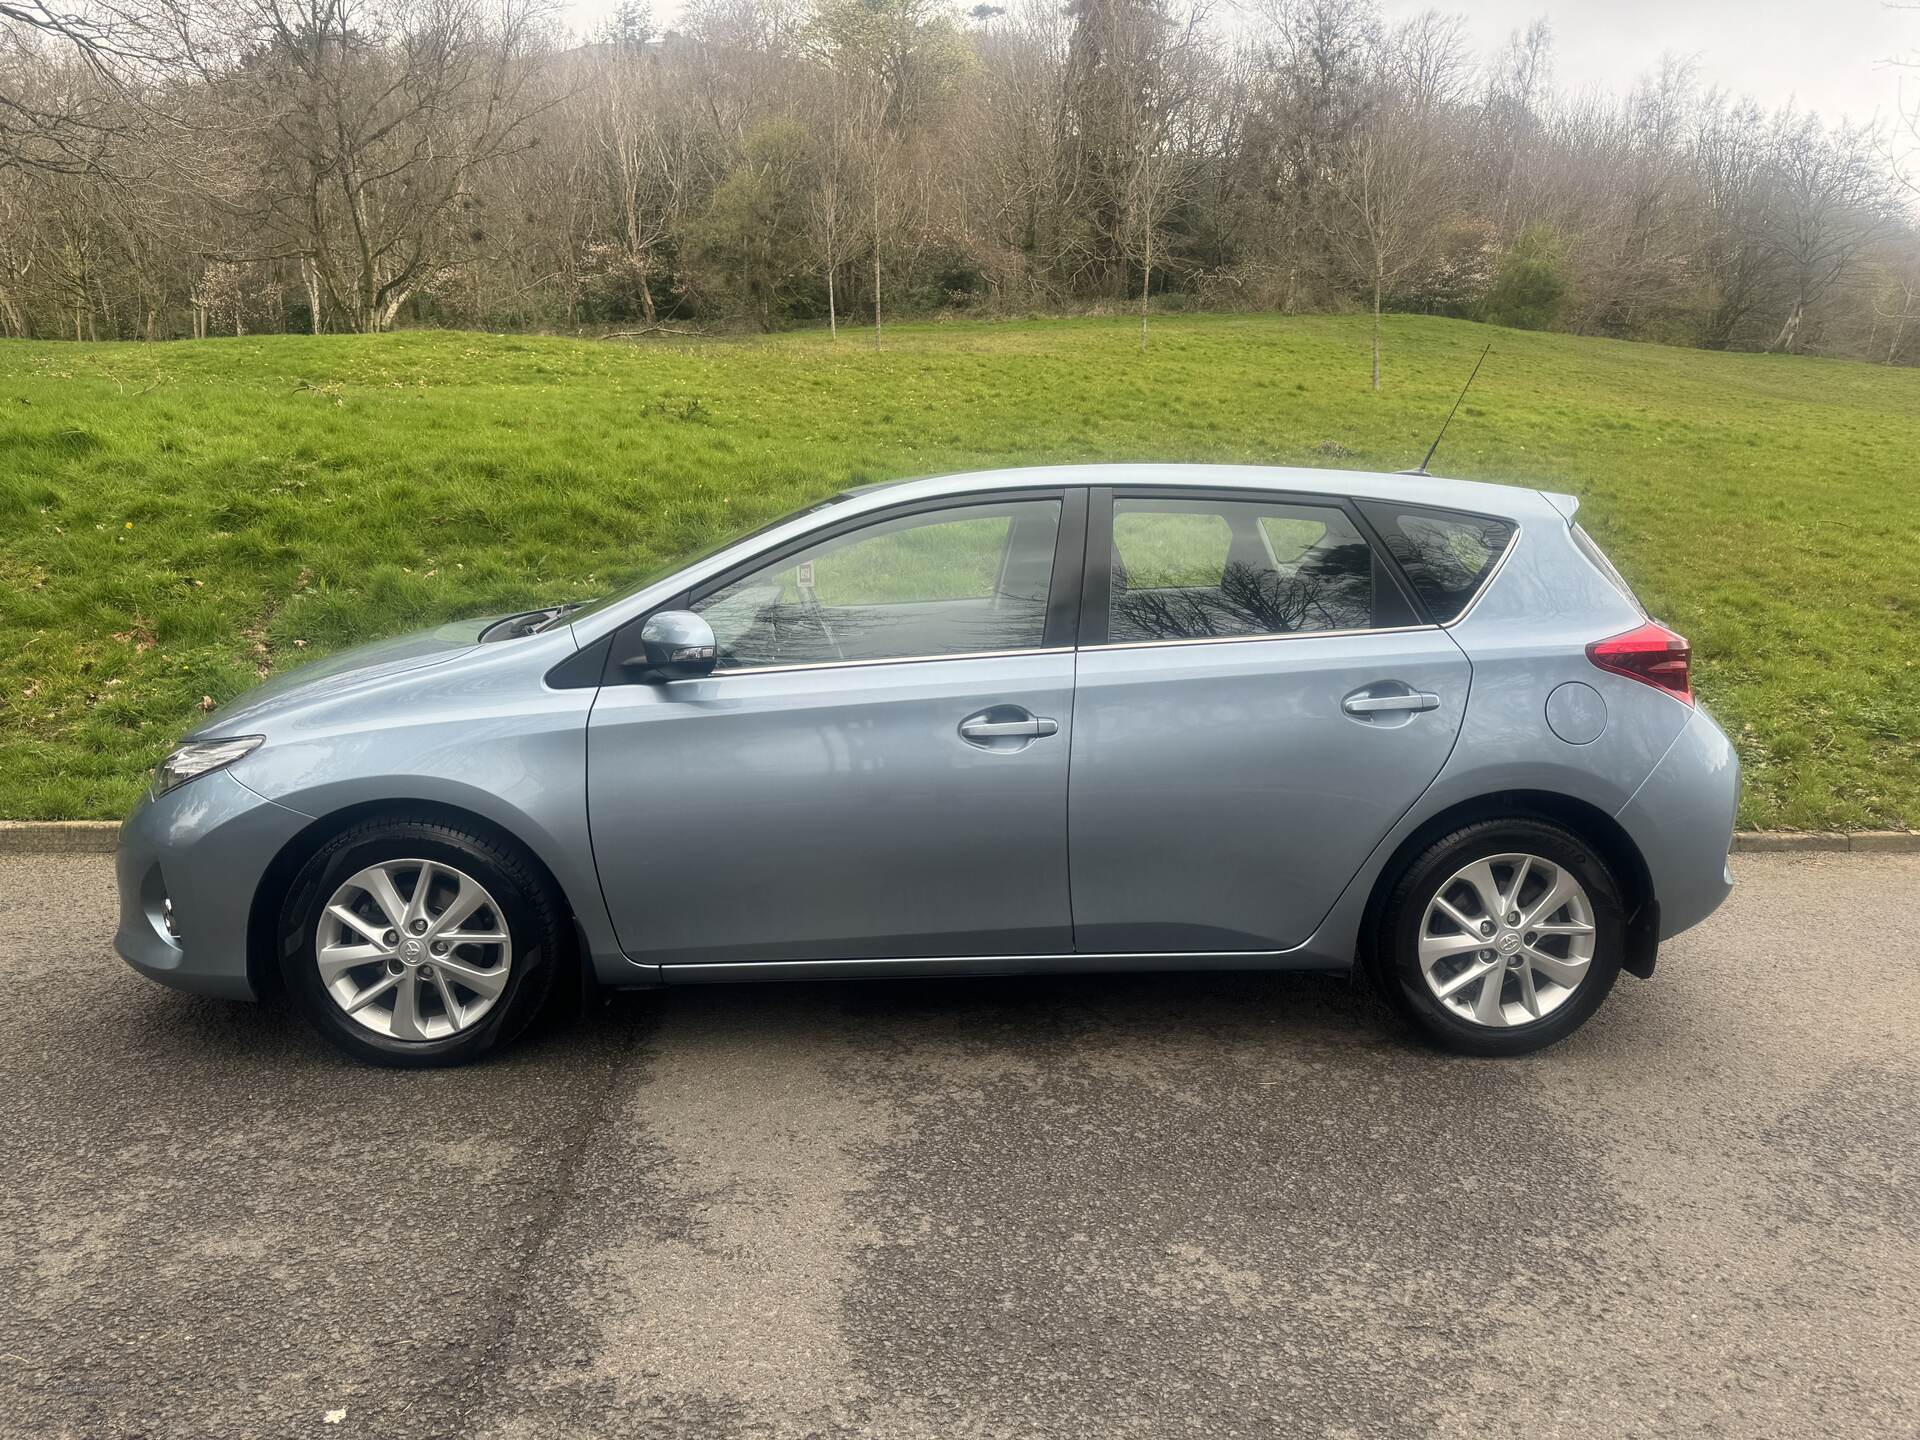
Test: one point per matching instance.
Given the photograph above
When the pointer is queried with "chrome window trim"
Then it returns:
(1492, 575)
(1256, 639)
(1060, 650)
(719, 674)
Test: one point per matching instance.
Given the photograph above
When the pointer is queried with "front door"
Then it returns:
(877, 767)
(1255, 710)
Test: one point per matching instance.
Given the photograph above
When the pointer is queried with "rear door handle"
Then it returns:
(1030, 728)
(1375, 704)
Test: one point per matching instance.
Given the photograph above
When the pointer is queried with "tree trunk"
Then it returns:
(310, 272)
(1146, 278)
(646, 296)
(1789, 334)
(876, 264)
(383, 319)
(1900, 328)
(833, 320)
(1376, 330)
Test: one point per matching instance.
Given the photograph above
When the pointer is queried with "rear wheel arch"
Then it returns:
(1589, 822)
(269, 896)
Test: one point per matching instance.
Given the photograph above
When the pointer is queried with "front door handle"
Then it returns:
(1031, 728)
(1375, 704)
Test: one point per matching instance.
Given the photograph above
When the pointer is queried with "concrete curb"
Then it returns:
(1856, 842)
(98, 837)
(58, 837)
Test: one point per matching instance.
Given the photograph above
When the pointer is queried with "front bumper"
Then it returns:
(205, 847)
(1682, 819)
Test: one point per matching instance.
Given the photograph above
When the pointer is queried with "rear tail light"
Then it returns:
(1653, 655)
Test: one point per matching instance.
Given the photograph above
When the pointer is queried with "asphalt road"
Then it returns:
(1112, 1206)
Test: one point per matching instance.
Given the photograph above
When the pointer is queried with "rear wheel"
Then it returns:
(1501, 937)
(412, 943)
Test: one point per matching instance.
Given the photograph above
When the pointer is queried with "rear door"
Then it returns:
(1258, 701)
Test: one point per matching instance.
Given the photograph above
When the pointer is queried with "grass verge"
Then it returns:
(177, 521)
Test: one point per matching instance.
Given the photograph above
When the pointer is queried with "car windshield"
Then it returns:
(661, 572)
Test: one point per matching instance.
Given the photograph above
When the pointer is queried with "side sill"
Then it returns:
(724, 972)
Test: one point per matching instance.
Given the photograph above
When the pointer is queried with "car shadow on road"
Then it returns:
(1023, 1013)
(1013, 1011)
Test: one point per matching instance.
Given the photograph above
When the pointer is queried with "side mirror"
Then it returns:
(675, 645)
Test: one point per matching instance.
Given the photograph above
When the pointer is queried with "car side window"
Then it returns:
(1584, 543)
(962, 580)
(1185, 569)
(1445, 554)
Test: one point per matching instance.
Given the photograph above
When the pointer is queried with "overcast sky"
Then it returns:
(1829, 55)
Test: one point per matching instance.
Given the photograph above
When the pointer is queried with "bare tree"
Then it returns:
(898, 62)
(1897, 300)
(636, 135)
(1521, 79)
(75, 79)
(833, 207)
(1393, 193)
(1731, 169)
(372, 125)
(1829, 206)
(195, 166)
(1019, 130)
(1151, 57)
(1633, 229)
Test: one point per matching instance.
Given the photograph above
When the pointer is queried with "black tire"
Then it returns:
(1395, 961)
(535, 916)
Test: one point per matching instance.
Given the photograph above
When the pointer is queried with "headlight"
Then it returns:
(199, 757)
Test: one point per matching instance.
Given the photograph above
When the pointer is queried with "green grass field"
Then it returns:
(178, 520)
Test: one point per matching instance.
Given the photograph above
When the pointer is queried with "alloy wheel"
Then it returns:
(1507, 940)
(413, 949)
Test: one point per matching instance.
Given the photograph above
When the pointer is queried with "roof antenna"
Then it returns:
(1451, 413)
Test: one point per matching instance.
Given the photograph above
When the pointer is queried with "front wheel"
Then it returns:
(413, 943)
(1502, 937)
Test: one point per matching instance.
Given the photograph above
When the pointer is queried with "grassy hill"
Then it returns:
(177, 520)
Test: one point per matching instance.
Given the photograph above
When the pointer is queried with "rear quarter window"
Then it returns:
(1445, 554)
(1584, 543)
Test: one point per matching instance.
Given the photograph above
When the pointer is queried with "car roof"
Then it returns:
(1432, 490)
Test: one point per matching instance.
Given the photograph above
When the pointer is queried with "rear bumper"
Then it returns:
(205, 846)
(1682, 819)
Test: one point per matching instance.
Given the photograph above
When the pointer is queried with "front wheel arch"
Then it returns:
(263, 916)
(1589, 822)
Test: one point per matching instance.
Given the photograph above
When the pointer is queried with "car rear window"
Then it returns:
(1446, 554)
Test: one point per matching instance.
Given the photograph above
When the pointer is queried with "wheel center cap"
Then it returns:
(412, 952)
(1509, 943)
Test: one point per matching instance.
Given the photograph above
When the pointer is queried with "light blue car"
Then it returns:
(1086, 718)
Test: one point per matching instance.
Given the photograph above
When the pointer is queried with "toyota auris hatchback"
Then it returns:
(1089, 718)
